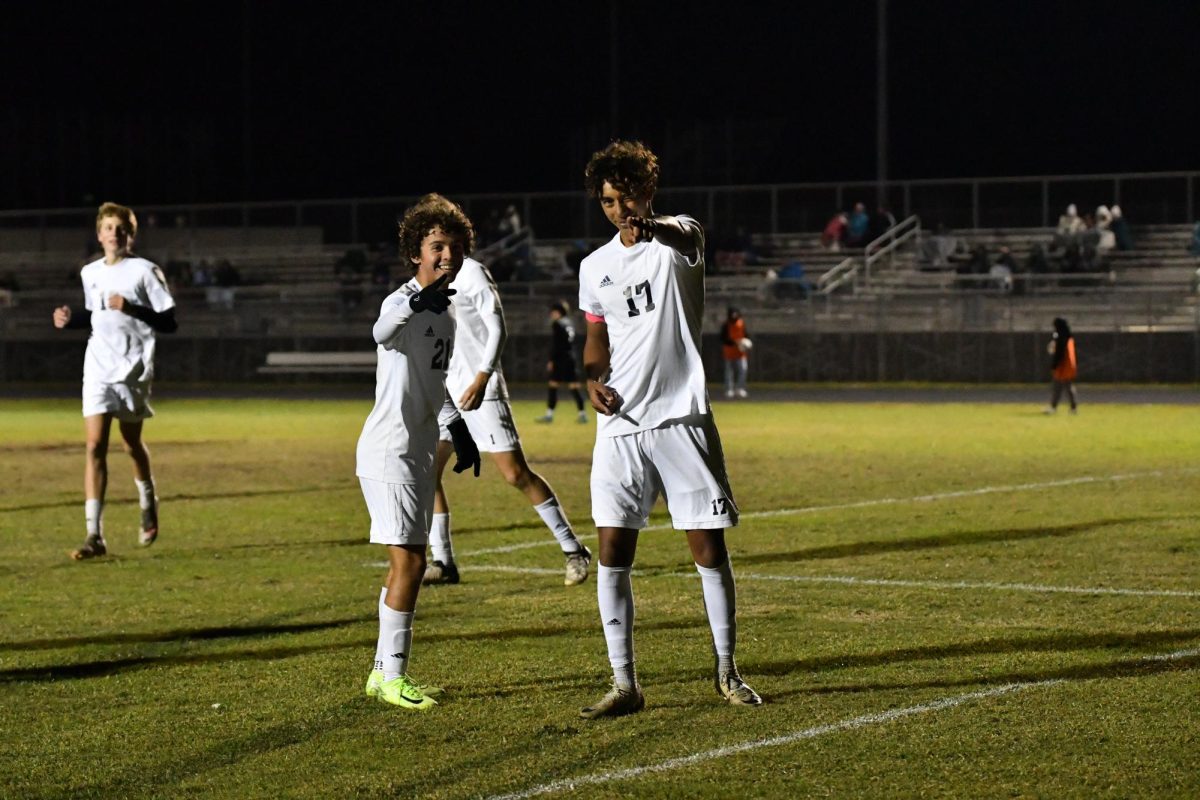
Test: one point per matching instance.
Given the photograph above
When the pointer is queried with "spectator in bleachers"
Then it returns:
(856, 227)
(791, 282)
(978, 264)
(1194, 247)
(1120, 229)
(1106, 240)
(1089, 246)
(1003, 270)
(178, 272)
(1037, 263)
(1070, 223)
(202, 274)
(834, 234)
(1070, 226)
(225, 275)
(510, 222)
(881, 221)
(938, 250)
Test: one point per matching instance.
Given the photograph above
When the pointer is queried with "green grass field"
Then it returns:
(935, 600)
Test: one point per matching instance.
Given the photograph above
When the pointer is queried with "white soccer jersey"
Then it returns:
(400, 435)
(652, 300)
(479, 334)
(121, 348)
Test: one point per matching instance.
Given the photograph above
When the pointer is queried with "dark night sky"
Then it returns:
(146, 102)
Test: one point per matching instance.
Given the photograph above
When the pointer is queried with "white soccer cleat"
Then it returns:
(577, 566)
(149, 530)
(731, 687)
(617, 703)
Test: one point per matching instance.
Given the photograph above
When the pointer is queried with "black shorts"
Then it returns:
(564, 371)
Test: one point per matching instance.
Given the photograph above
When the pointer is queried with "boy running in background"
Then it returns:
(562, 366)
(643, 294)
(397, 449)
(125, 303)
(475, 380)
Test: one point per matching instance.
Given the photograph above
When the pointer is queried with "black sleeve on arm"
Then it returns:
(160, 321)
(80, 318)
(725, 337)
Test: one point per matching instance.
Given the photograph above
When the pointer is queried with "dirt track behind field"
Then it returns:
(1033, 394)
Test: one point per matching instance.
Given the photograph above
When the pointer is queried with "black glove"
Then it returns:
(435, 297)
(466, 454)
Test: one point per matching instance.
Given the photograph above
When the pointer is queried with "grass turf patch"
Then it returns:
(890, 556)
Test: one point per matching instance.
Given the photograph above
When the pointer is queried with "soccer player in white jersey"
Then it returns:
(475, 381)
(397, 449)
(125, 303)
(643, 296)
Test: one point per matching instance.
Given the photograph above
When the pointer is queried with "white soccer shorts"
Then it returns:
(128, 402)
(401, 513)
(683, 461)
(491, 426)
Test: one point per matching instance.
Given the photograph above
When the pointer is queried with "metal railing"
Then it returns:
(1019, 201)
(848, 269)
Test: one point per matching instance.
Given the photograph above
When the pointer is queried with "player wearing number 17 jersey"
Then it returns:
(643, 296)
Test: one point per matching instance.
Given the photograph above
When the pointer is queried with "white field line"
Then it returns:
(1003, 587)
(850, 580)
(567, 784)
(882, 501)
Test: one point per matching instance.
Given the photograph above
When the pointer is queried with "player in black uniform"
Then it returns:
(562, 366)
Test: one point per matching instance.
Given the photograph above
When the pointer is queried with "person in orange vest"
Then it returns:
(1063, 365)
(735, 344)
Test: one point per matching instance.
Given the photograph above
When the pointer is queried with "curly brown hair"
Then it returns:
(429, 212)
(629, 166)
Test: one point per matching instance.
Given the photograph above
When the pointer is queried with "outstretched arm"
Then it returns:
(685, 237)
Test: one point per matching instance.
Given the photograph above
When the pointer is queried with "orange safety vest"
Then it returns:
(1067, 368)
(734, 331)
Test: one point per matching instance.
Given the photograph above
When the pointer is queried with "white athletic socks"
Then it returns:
(614, 591)
(379, 648)
(145, 492)
(552, 514)
(439, 539)
(395, 639)
(93, 514)
(720, 602)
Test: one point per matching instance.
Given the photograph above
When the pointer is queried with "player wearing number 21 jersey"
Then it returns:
(397, 448)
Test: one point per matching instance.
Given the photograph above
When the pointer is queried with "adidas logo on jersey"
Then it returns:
(606, 282)
(429, 331)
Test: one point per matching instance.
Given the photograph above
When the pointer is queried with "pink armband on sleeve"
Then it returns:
(590, 317)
